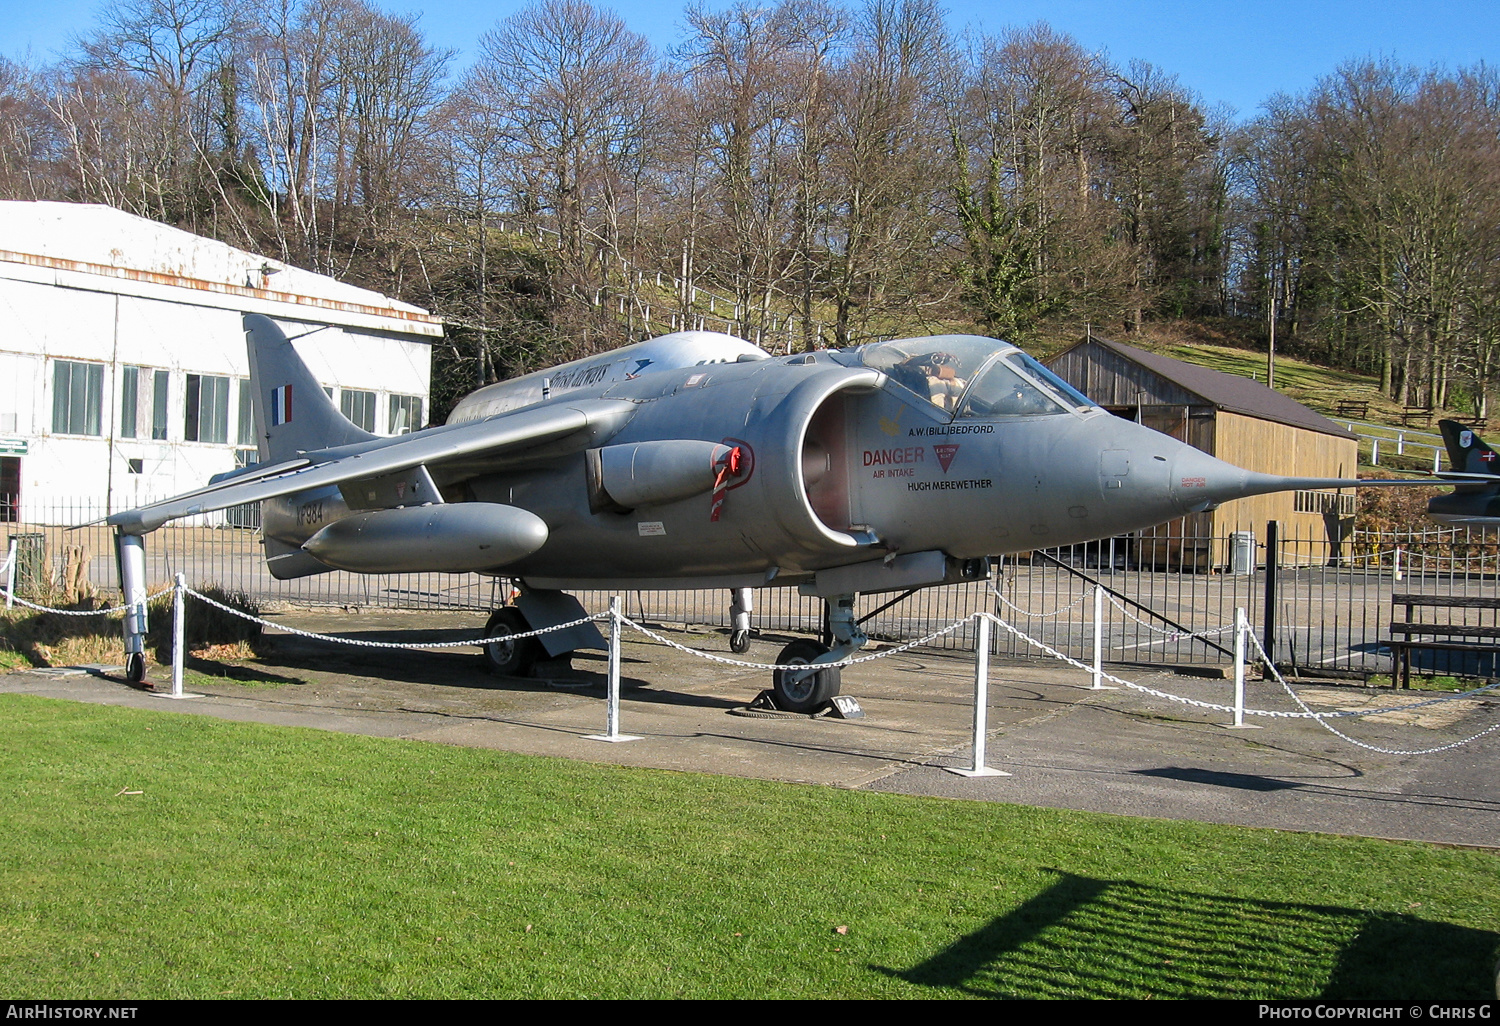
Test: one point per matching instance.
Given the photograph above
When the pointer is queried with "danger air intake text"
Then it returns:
(910, 454)
(895, 462)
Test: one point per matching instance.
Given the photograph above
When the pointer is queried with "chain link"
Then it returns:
(1037, 616)
(18, 600)
(850, 661)
(1361, 744)
(419, 645)
(1170, 635)
(625, 621)
(1043, 646)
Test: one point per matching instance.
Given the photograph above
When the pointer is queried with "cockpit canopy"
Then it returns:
(972, 376)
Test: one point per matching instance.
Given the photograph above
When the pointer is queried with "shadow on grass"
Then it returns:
(1119, 939)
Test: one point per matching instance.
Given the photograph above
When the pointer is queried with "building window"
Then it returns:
(406, 413)
(1339, 504)
(207, 409)
(130, 400)
(143, 402)
(159, 404)
(77, 397)
(359, 407)
(245, 434)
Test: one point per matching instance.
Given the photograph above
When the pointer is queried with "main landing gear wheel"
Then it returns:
(135, 668)
(739, 642)
(510, 657)
(798, 691)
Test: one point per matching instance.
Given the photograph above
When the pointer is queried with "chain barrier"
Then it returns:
(1410, 560)
(1272, 713)
(1209, 632)
(18, 600)
(1037, 616)
(1321, 717)
(417, 645)
(850, 661)
(1361, 744)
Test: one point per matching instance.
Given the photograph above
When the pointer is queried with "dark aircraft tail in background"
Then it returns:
(1476, 472)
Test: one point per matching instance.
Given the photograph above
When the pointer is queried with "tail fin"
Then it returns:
(292, 412)
(1467, 452)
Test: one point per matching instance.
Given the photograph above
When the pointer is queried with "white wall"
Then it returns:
(41, 324)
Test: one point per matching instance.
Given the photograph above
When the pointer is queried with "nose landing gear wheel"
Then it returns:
(800, 691)
(135, 668)
(510, 657)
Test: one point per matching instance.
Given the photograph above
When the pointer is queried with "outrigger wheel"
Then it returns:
(135, 668)
(510, 657)
(739, 642)
(801, 691)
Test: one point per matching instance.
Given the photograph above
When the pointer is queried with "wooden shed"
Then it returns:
(1241, 422)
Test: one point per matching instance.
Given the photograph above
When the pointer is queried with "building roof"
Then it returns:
(99, 248)
(1224, 391)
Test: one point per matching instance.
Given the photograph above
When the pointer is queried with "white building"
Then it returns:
(123, 371)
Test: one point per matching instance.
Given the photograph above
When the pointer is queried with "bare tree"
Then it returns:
(885, 249)
(1028, 130)
(178, 49)
(1165, 179)
(28, 137)
(570, 91)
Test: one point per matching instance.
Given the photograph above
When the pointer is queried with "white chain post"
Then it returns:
(10, 575)
(177, 633)
(179, 642)
(612, 687)
(981, 705)
(1241, 626)
(1099, 684)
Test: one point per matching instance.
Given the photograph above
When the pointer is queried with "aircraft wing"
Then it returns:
(495, 436)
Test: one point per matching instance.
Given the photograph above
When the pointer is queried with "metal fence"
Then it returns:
(1321, 607)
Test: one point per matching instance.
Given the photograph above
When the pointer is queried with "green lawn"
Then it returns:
(273, 862)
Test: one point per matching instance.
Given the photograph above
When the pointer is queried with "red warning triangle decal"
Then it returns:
(945, 454)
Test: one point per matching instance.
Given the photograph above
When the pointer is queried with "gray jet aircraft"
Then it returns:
(695, 460)
(1476, 472)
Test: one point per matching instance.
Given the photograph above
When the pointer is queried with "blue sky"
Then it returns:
(1232, 53)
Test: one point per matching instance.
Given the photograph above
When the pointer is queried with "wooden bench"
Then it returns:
(1418, 414)
(1442, 637)
(1359, 410)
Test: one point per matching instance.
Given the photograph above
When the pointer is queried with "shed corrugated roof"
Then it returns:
(1226, 391)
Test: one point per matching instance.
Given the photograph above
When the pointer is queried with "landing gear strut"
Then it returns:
(131, 550)
(741, 605)
(806, 690)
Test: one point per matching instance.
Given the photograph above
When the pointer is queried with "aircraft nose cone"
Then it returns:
(1199, 480)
